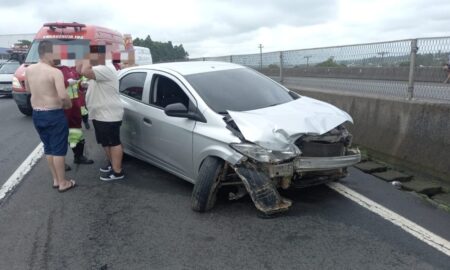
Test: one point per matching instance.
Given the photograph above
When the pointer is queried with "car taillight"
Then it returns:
(16, 83)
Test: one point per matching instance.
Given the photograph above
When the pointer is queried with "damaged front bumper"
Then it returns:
(258, 177)
(261, 189)
(309, 164)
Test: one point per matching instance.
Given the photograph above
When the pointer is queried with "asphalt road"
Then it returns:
(426, 91)
(17, 137)
(145, 222)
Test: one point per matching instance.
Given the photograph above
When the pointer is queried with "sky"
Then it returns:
(219, 28)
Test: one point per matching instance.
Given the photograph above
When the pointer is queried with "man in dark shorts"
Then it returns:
(48, 99)
(105, 109)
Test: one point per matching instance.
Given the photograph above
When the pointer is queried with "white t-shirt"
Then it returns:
(102, 97)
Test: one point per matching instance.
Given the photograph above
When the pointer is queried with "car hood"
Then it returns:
(6, 77)
(278, 127)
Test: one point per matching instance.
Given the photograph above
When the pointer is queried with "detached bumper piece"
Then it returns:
(261, 189)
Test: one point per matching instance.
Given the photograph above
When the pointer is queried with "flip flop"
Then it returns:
(72, 185)
(53, 186)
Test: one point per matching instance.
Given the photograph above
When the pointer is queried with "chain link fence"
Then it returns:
(405, 68)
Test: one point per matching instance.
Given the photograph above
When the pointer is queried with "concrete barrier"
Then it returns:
(409, 134)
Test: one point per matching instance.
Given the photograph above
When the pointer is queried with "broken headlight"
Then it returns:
(262, 154)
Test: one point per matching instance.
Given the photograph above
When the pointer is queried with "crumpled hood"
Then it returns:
(278, 127)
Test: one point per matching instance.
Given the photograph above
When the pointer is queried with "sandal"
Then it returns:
(72, 185)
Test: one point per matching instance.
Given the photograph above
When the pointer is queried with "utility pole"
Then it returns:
(307, 59)
(412, 68)
(260, 55)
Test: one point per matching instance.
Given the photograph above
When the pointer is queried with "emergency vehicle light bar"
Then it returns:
(77, 26)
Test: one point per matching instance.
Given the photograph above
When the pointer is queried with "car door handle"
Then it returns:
(147, 121)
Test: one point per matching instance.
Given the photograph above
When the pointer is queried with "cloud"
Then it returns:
(216, 27)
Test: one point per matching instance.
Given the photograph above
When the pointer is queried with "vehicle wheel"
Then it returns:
(26, 111)
(204, 194)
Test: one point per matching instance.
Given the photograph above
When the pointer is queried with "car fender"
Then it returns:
(221, 151)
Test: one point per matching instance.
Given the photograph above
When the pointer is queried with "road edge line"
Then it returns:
(21, 171)
(412, 228)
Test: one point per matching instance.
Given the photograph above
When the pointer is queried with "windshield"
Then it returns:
(72, 48)
(9, 68)
(239, 89)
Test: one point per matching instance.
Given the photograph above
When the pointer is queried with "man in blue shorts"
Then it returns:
(48, 99)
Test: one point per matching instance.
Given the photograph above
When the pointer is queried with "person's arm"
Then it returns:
(27, 85)
(61, 90)
(87, 71)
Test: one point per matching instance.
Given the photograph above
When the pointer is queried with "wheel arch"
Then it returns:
(225, 153)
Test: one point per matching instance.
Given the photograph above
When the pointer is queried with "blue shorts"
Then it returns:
(53, 130)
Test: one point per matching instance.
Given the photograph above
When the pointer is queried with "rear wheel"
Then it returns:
(204, 194)
(26, 111)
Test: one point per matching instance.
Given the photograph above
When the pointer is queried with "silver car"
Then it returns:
(7, 70)
(219, 124)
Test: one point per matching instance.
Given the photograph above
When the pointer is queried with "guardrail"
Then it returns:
(409, 69)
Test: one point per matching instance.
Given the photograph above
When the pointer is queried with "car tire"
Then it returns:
(204, 194)
(26, 111)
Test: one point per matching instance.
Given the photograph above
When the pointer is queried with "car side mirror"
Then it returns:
(176, 110)
(179, 110)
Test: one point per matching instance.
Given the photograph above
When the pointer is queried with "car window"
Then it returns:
(165, 91)
(240, 89)
(132, 85)
(9, 68)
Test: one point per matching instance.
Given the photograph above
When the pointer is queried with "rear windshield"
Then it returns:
(239, 89)
(9, 68)
(72, 49)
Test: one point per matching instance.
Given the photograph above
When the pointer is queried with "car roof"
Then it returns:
(193, 67)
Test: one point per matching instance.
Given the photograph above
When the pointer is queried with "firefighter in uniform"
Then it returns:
(75, 114)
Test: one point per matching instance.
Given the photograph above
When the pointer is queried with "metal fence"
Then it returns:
(404, 68)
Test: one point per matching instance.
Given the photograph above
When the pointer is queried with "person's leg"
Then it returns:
(107, 152)
(58, 162)
(59, 145)
(100, 135)
(79, 157)
(116, 153)
(51, 165)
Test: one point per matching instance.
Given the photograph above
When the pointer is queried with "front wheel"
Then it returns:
(204, 194)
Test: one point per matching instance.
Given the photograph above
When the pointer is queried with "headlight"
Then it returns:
(261, 154)
(16, 83)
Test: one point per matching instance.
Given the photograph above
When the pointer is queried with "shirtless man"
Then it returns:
(48, 99)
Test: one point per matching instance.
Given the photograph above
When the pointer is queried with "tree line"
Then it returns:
(162, 51)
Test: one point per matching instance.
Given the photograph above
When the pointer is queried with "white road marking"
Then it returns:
(23, 169)
(417, 231)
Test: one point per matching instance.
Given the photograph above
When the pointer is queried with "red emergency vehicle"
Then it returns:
(76, 39)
